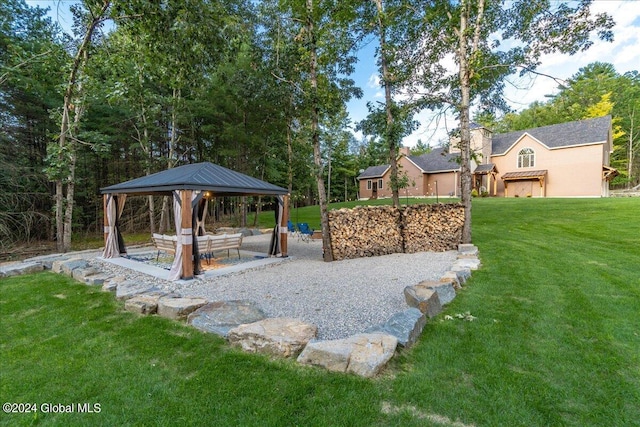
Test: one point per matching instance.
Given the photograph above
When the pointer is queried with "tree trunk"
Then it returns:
(315, 134)
(464, 75)
(386, 81)
(630, 162)
(64, 221)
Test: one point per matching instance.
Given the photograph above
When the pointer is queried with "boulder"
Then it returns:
(128, 289)
(80, 274)
(281, 336)
(96, 279)
(446, 292)
(405, 325)
(470, 263)
(19, 268)
(142, 304)
(66, 266)
(221, 316)
(463, 273)
(111, 284)
(452, 277)
(179, 308)
(467, 249)
(424, 299)
(363, 354)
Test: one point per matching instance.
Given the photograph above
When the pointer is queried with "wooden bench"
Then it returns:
(207, 245)
(219, 242)
(165, 243)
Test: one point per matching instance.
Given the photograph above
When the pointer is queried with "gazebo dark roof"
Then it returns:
(197, 176)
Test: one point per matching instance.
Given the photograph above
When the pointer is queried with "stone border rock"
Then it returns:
(242, 324)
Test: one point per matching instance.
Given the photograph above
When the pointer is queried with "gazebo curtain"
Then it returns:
(275, 245)
(114, 244)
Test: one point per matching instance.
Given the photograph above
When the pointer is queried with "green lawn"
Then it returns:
(556, 342)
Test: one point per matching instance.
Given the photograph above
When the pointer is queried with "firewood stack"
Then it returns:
(380, 230)
(434, 228)
(365, 231)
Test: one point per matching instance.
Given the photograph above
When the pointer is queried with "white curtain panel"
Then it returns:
(111, 249)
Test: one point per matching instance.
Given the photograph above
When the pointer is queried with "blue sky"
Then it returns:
(623, 53)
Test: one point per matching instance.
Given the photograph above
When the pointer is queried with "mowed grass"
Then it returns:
(555, 342)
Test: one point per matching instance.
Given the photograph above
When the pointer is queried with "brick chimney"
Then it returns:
(404, 150)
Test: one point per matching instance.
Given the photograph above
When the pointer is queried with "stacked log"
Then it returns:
(436, 227)
(365, 231)
(380, 230)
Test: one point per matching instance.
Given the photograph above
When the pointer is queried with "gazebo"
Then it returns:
(188, 185)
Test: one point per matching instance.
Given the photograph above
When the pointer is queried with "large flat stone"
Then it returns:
(363, 354)
(467, 249)
(470, 263)
(20, 268)
(129, 289)
(142, 304)
(405, 325)
(67, 267)
(179, 308)
(80, 274)
(446, 292)
(424, 299)
(96, 279)
(221, 316)
(281, 336)
(463, 273)
(452, 277)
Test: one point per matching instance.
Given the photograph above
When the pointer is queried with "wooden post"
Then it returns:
(283, 225)
(186, 239)
(105, 221)
(506, 191)
(495, 185)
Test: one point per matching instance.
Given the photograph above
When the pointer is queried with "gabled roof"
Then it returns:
(485, 169)
(437, 160)
(197, 176)
(374, 172)
(581, 132)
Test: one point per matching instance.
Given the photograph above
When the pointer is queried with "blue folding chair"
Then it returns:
(291, 228)
(304, 231)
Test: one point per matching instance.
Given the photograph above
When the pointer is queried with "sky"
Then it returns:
(623, 53)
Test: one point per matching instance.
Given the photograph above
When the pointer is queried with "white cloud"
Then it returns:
(623, 53)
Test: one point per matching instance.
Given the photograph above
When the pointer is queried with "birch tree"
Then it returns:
(62, 157)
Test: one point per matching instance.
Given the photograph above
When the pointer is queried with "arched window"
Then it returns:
(526, 158)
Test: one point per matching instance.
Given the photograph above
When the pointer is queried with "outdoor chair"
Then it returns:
(304, 232)
(291, 228)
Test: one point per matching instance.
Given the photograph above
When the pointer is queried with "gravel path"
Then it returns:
(342, 298)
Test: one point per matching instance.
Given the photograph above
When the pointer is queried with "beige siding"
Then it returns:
(447, 183)
(571, 172)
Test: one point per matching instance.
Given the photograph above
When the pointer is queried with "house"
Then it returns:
(564, 160)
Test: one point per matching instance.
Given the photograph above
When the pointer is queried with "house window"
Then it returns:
(380, 184)
(526, 158)
(368, 184)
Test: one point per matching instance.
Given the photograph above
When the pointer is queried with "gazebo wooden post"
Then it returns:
(105, 221)
(186, 239)
(283, 225)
